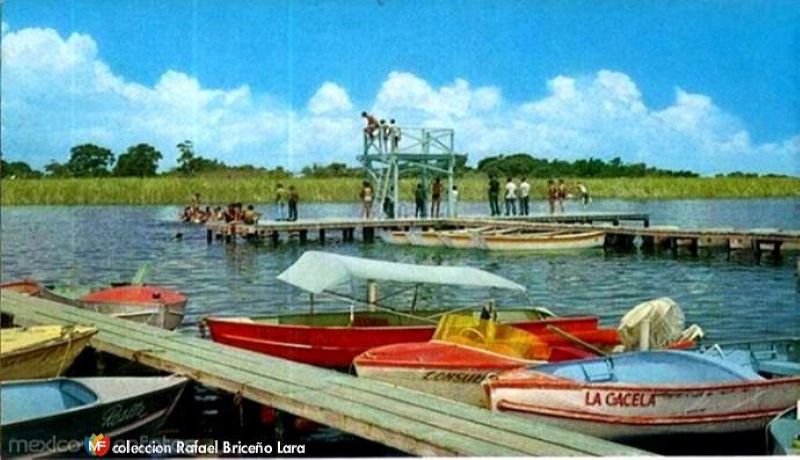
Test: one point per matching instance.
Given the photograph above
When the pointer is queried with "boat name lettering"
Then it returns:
(118, 414)
(457, 377)
(619, 399)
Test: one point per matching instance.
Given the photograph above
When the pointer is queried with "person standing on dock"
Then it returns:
(419, 200)
(494, 196)
(367, 196)
(524, 197)
(552, 195)
(511, 197)
(454, 195)
(294, 197)
(585, 198)
(436, 196)
(562, 195)
(280, 201)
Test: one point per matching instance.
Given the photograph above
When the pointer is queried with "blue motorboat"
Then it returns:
(55, 416)
(645, 393)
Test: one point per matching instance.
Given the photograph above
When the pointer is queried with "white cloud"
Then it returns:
(57, 92)
(330, 97)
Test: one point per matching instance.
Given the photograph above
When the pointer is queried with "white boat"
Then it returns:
(644, 393)
(512, 239)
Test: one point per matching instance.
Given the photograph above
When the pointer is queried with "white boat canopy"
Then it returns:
(318, 272)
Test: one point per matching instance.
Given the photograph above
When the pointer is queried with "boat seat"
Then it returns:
(776, 367)
(598, 371)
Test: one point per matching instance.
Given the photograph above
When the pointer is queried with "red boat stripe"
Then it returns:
(637, 419)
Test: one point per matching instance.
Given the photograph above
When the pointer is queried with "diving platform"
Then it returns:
(406, 420)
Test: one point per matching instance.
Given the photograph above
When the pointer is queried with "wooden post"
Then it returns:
(616, 222)
(673, 246)
(693, 247)
(756, 245)
(322, 236)
(369, 234)
(209, 235)
(275, 237)
(646, 223)
(372, 295)
(648, 243)
(776, 251)
(303, 236)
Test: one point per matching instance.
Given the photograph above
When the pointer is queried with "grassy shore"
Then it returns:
(177, 190)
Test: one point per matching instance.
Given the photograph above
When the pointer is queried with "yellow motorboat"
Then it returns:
(40, 351)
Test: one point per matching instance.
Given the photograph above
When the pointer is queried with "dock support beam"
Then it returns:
(303, 236)
(368, 234)
(322, 236)
(275, 237)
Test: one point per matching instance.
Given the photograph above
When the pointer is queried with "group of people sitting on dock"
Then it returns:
(234, 212)
(387, 134)
(513, 194)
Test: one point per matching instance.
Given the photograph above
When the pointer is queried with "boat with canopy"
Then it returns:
(332, 338)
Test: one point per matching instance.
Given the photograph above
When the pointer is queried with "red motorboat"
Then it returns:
(333, 338)
(153, 305)
(465, 350)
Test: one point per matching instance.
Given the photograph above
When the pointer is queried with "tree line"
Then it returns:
(142, 160)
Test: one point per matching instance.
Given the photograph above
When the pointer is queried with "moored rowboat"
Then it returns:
(644, 393)
(498, 241)
(148, 304)
(783, 433)
(68, 410)
(465, 350)
(40, 351)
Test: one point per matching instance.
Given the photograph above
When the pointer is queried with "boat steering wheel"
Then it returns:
(472, 333)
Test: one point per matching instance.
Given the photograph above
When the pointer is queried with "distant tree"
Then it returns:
(17, 170)
(186, 157)
(56, 169)
(89, 160)
(139, 161)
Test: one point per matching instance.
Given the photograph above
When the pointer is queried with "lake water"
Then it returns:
(730, 299)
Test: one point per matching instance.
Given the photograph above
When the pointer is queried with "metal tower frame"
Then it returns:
(427, 150)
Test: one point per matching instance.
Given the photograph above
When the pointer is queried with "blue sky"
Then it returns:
(710, 86)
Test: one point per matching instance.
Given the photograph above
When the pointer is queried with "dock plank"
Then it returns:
(410, 421)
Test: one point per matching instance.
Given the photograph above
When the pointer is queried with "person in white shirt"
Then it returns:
(524, 197)
(511, 197)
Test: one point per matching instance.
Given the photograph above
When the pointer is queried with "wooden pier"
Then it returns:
(620, 233)
(347, 228)
(410, 421)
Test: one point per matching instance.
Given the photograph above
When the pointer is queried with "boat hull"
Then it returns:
(499, 242)
(47, 358)
(145, 304)
(337, 346)
(618, 411)
(126, 407)
(782, 433)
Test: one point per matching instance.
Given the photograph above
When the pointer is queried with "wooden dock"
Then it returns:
(620, 232)
(272, 230)
(410, 421)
